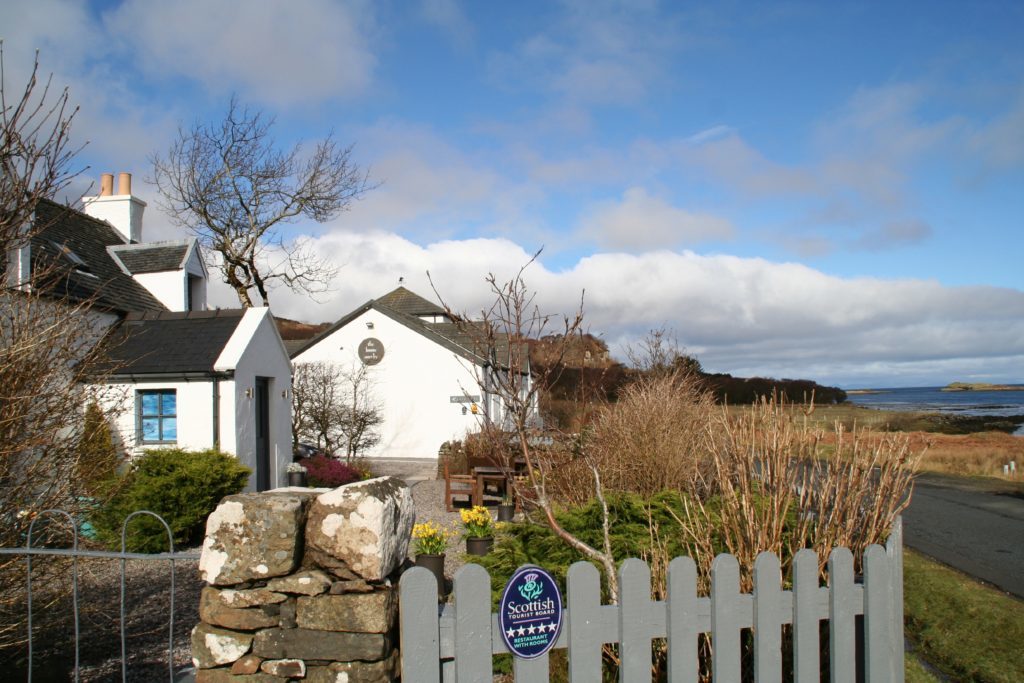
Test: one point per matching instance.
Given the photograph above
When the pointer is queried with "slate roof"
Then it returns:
(171, 342)
(77, 244)
(154, 257)
(467, 339)
(402, 300)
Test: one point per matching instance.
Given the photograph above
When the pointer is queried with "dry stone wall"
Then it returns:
(302, 585)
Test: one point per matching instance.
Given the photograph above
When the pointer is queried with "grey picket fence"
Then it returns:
(455, 642)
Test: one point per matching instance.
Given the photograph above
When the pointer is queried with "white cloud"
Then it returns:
(1000, 142)
(299, 52)
(741, 315)
(643, 222)
(449, 17)
(895, 234)
(593, 54)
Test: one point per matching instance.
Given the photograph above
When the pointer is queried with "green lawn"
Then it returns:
(961, 627)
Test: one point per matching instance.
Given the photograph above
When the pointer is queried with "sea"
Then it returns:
(933, 399)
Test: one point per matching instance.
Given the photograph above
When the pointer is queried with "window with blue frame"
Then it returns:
(158, 416)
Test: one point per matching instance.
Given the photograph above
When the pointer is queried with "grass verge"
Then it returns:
(961, 627)
(915, 672)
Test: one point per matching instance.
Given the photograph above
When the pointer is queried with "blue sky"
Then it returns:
(824, 190)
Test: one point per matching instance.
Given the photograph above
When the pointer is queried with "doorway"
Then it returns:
(262, 424)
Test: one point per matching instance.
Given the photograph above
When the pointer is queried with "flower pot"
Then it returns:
(296, 478)
(479, 546)
(506, 512)
(435, 563)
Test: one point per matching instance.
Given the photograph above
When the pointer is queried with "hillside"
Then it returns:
(291, 330)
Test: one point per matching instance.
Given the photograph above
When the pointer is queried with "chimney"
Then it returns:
(122, 210)
(106, 184)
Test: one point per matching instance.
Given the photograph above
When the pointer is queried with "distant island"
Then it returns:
(861, 392)
(981, 386)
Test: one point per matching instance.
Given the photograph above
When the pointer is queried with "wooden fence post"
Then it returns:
(584, 624)
(806, 634)
(725, 619)
(420, 639)
(472, 624)
(768, 619)
(842, 617)
(682, 631)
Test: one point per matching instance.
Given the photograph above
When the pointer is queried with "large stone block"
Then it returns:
(349, 672)
(353, 612)
(249, 597)
(225, 676)
(300, 643)
(288, 668)
(213, 611)
(253, 536)
(312, 582)
(362, 527)
(212, 646)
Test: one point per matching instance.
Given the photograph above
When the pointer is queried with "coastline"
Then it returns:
(980, 386)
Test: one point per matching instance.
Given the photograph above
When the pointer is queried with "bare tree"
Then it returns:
(659, 354)
(36, 154)
(230, 185)
(335, 407)
(502, 333)
(49, 351)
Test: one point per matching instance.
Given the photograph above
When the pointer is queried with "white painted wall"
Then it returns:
(195, 415)
(171, 287)
(256, 350)
(123, 211)
(413, 384)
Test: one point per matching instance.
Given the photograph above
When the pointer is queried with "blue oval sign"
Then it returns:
(530, 612)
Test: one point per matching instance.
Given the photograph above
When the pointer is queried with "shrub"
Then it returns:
(98, 459)
(325, 472)
(181, 486)
(663, 422)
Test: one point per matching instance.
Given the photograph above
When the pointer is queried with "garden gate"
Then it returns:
(457, 644)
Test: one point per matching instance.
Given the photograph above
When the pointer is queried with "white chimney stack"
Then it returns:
(121, 210)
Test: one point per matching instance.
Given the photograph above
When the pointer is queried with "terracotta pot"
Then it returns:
(506, 512)
(435, 563)
(479, 546)
(296, 478)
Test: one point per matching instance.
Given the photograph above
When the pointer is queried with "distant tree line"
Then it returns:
(586, 375)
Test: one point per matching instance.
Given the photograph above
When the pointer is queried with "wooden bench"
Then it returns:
(458, 485)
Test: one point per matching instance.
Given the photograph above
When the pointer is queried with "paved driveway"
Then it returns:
(976, 526)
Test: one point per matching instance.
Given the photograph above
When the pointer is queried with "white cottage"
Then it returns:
(202, 379)
(190, 377)
(429, 375)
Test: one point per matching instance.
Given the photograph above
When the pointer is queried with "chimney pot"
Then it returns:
(124, 183)
(106, 184)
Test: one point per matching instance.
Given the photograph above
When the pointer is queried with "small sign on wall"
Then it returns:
(371, 351)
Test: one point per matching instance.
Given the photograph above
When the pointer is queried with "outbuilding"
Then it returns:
(429, 376)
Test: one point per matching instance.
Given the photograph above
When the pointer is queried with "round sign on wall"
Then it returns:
(371, 351)
(530, 612)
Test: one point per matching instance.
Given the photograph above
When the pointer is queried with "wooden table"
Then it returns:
(485, 475)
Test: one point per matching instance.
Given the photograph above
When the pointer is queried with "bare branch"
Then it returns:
(232, 187)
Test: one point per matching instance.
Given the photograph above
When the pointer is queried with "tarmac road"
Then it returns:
(976, 526)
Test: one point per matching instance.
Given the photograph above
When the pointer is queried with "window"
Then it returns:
(158, 416)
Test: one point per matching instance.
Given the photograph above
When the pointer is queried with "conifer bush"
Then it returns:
(181, 486)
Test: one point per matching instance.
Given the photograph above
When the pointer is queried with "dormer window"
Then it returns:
(71, 257)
